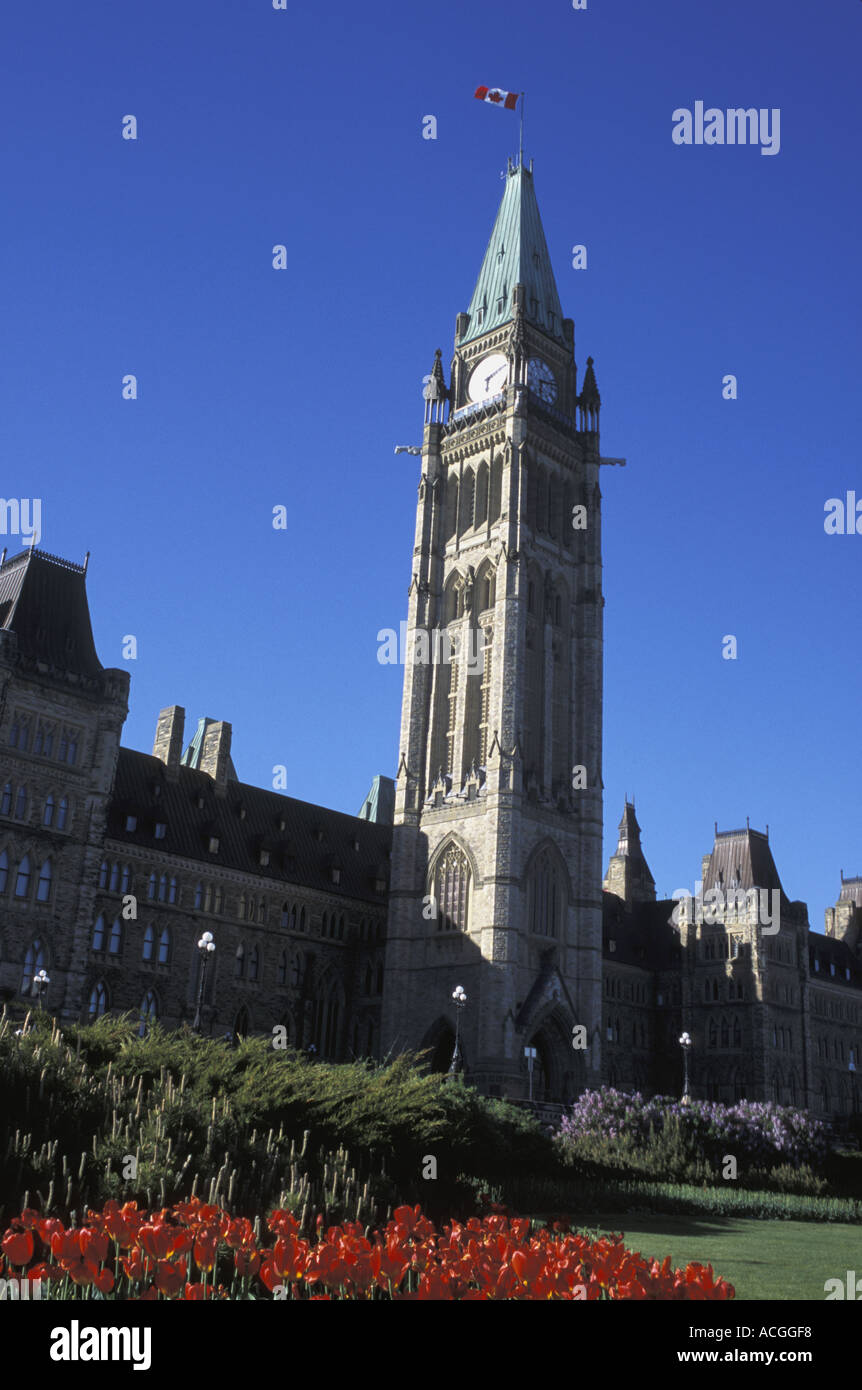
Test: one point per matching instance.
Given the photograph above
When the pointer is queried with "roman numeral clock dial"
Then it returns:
(541, 380)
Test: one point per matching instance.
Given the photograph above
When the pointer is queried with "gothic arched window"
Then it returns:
(43, 885)
(451, 890)
(149, 1007)
(545, 896)
(34, 961)
(164, 946)
(149, 945)
(22, 880)
(98, 1001)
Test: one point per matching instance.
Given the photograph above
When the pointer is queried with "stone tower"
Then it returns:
(628, 875)
(61, 716)
(496, 861)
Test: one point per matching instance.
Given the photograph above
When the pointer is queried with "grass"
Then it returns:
(774, 1260)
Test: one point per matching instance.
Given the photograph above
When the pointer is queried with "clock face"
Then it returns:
(488, 377)
(541, 380)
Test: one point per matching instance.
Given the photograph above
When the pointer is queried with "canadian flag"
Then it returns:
(497, 97)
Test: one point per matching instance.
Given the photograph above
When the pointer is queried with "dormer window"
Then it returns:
(131, 823)
(264, 858)
(160, 830)
(816, 964)
(241, 811)
(832, 967)
(336, 874)
(214, 843)
(200, 802)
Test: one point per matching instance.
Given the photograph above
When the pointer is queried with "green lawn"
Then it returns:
(761, 1259)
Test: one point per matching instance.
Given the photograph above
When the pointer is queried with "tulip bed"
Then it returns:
(198, 1251)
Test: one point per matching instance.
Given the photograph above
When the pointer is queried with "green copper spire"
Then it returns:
(517, 254)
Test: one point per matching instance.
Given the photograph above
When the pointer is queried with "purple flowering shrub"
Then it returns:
(619, 1128)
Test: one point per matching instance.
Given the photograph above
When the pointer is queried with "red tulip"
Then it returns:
(18, 1247)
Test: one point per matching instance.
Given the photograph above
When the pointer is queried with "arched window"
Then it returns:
(241, 1025)
(21, 804)
(324, 923)
(4, 871)
(368, 979)
(164, 945)
(296, 971)
(281, 973)
(481, 505)
(34, 961)
(125, 879)
(713, 1033)
(239, 962)
(98, 1002)
(149, 1007)
(261, 910)
(285, 915)
(545, 895)
(6, 800)
(172, 891)
(302, 920)
(468, 491)
(737, 1033)
(62, 813)
(149, 945)
(115, 941)
(451, 890)
(293, 917)
(22, 880)
(48, 813)
(380, 979)
(199, 896)
(725, 1033)
(151, 886)
(43, 885)
(341, 928)
(253, 963)
(115, 877)
(163, 888)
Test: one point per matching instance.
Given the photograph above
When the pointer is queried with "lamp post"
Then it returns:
(460, 999)
(41, 982)
(685, 1044)
(206, 948)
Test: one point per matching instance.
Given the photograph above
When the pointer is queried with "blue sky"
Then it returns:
(259, 388)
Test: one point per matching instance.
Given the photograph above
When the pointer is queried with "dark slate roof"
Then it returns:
(43, 600)
(312, 842)
(517, 254)
(743, 858)
(644, 936)
(831, 950)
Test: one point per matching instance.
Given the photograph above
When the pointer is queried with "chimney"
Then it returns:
(168, 743)
(215, 754)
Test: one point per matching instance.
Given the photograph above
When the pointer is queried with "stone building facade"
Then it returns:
(481, 864)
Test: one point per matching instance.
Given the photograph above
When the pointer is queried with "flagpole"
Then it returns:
(521, 150)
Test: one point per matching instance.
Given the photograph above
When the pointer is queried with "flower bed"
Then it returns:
(758, 1133)
(196, 1251)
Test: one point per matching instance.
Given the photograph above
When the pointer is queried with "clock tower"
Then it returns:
(496, 881)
